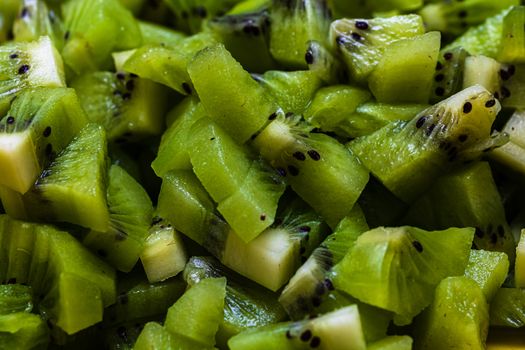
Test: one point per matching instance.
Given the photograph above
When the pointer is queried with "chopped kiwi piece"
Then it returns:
(512, 154)
(484, 71)
(388, 266)
(28, 65)
(246, 191)
(94, 29)
(15, 298)
(293, 91)
(324, 63)
(432, 142)
(512, 45)
(198, 313)
(507, 309)
(23, 330)
(457, 16)
(293, 24)
(175, 143)
(128, 107)
(140, 300)
(39, 124)
(336, 330)
(164, 255)
(459, 314)
(331, 105)
(488, 269)
(448, 78)
(229, 94)
(57, 197)
(246, 37)
(36, 20)
(362, 41)
(483, 39)
(155, 336)
(246, 304)
(168, 65)
(130, 213)
(314, 164)
(512, 77)
(399, 77)
(467, 197)
(310, 284)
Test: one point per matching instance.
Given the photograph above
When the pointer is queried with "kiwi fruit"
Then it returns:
(23, 330)
(507, 309)
(488, 269)
(15, 298)
(448, 78)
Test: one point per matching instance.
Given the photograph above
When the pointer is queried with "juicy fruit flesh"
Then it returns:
(355, 286)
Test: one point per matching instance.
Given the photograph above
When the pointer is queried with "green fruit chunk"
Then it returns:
(336, 330)
(26, 143)
(432, 142)
(130, 213)
(399, 77)
(229, 94)
(508, 308)
(362, 42)
(397, 269)
(394, 342)
(198, 313)
(488, 269)
(459, 314)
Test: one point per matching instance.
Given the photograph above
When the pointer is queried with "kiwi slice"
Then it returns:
(130, 213)
(336, 330)
(432, 142)
(448, 78)
(459, 314)
(26, 65)
(140, 300)
(512, 39)
(512, 154)
(314, 164)
(168, 65)
(324, 63)
(399, 77)
(198, 313)
(507, 309)
(164, 255)
(483, 39)
(229, 94)
(484, 71)
(95, 29)
(362, 41)
(246, 36)
(406, 262)
(55, 197)
(155, 336)
(246, 191)
(455, 17)
(393, 342)
(333, 104)
(246, 304)
(39, 124)
(310, 284)
(128, 107)
(293, 24)
(35, 20)
(23, 330)
(174, 145)
(467, 197)
(488, 269)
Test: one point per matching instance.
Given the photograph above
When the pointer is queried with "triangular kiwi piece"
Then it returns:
(76, 181)
(397, 269)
